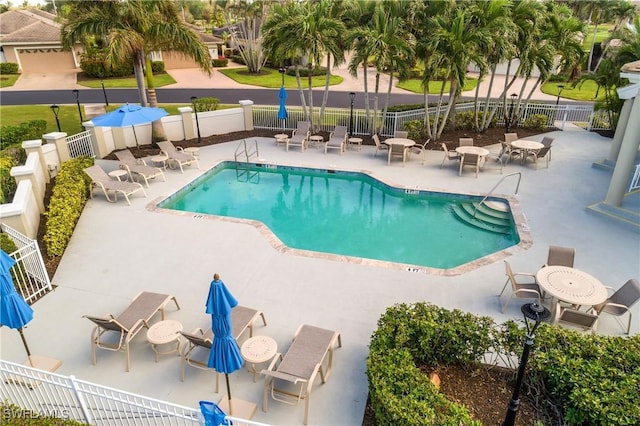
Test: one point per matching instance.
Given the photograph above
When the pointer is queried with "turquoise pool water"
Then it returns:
(343, 213)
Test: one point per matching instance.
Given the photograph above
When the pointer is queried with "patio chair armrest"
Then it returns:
(616, 305)
(524, 274)
(283, 376)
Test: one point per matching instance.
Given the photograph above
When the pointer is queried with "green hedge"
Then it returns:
(8, 68)
(94, 64)
(207, 104)
(69, 195)
(594, 379)
(219, 62)
(157, 66)
(15, 135)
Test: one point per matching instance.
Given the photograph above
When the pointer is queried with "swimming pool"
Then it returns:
(345, 213)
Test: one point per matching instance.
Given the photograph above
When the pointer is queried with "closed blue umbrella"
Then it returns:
(14, 311)
(282, 112)
(225, 354)
(129, 115)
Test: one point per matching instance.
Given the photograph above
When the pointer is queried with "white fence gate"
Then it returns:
(29, 272)
(80, 145)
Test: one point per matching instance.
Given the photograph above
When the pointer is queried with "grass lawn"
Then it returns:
(272, 79)
(8, 80)
(125, 82)
(585, 92)
(415, 85)
(601, 35)
(68, 115)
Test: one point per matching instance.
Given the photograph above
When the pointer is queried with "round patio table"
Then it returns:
(400, 141)
(571, 285)
(482, 152)
(526, 146)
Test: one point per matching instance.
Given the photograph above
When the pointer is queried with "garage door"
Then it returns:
(48, 61)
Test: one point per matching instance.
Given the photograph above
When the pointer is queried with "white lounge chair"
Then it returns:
(304, 359)
(177, 156)
(102, 180)
(127, 325)
(138, 167)
(337, 139)
(300, 136)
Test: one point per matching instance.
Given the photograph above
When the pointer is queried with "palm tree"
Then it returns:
(246, 32)
(307, 29)
(455, 44)
(135, 28)
(388, 45)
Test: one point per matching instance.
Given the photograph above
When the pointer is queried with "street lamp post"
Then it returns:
(352, 97)
(195, 111)
(536, 313)
(76, 92)
(509, 117)
(560, 89)
(104, 92)
(282, 71)
(55, 108)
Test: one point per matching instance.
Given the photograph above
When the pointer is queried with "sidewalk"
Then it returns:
(195, 78)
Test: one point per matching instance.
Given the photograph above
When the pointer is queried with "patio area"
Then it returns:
(117, 251)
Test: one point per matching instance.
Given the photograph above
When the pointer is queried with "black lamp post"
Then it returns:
(77, 93)
(104, 92)
(509, 118)
(55, 108)
(352, 96)
(536, 313)
(195, 111)
(282, 71)
(560, 89)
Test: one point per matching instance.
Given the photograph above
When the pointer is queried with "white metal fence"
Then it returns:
(265, 116)
(37, 392)
(80, 145)
(29, 273)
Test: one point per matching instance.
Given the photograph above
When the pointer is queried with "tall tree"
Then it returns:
(134, 28)
(306, 29)
(244, 20)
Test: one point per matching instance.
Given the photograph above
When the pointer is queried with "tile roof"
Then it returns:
(30, 25)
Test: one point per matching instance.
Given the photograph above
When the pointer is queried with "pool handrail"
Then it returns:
(475, 210)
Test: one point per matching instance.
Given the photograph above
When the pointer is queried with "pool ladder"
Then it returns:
(245, 152)
(495, 186)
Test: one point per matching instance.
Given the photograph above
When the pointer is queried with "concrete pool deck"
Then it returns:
(117, 251)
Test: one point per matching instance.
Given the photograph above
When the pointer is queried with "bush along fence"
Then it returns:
(583, 379)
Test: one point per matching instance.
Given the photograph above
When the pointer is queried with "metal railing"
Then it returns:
(47, 394)
(80, 145)
(29, 273)
(266, 116)
(475, 210)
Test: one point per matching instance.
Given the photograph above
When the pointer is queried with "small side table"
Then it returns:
(118, 174)
(162, 333)
(193, 150)
(316, 140)
(281, 138)
(354, 141)
(258, 349)
(161, 158)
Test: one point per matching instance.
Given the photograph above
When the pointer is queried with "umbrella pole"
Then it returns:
(26, 347)
(226, 377)
(135, 137)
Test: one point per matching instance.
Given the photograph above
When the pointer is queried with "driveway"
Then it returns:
(45, 81)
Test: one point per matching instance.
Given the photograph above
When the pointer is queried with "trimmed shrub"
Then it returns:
(7, 243)
(94, 64)
(592, 379)
(8, 183)
(304, 71)
(536, 121)
(218, 63)
(68, 197)
(8, 68)
(157, 66)
(207, 104)
(15, 135)
(238, 59)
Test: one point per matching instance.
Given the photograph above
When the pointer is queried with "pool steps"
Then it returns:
(489, 217)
